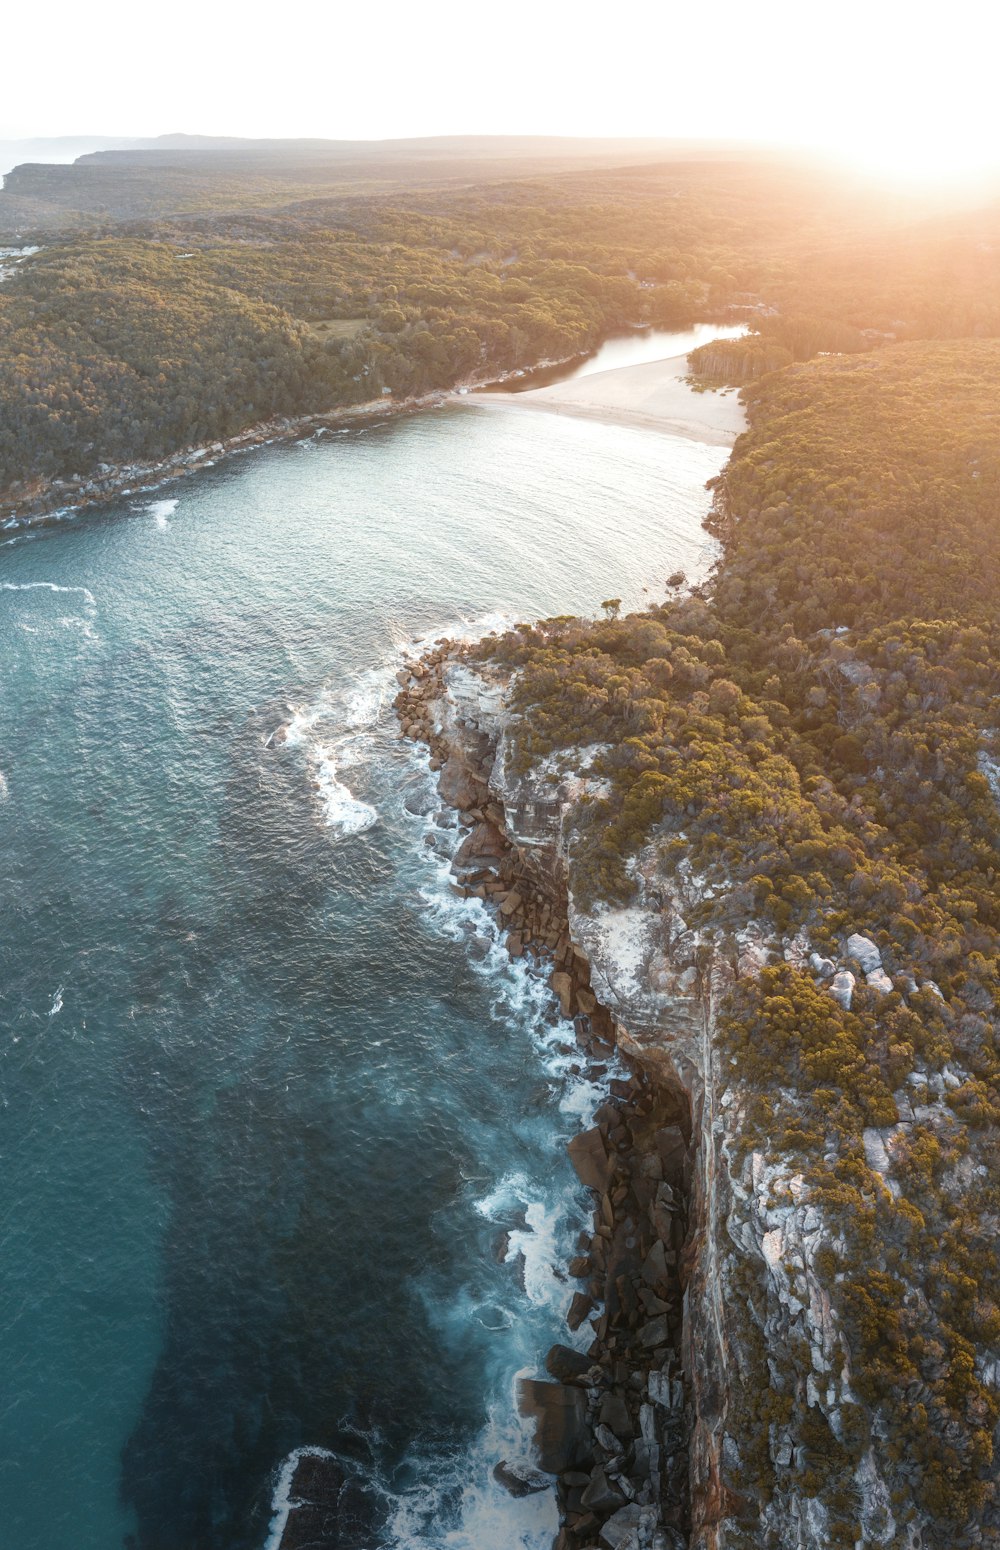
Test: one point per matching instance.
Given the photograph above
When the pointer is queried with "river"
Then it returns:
(282, 1130)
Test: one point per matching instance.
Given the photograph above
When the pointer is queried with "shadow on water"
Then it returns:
(274, 1277)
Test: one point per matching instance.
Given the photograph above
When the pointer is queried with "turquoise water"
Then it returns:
(270, 1094)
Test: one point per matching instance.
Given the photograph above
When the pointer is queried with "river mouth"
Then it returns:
(634, 348)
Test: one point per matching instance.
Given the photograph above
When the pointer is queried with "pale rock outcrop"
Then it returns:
(841, 988)
(864, 950)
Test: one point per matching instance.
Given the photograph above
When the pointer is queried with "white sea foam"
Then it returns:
(4, 788)
(161, 512)
(282, 1500)
(48, 586)
(334, 733)
(57, 1003)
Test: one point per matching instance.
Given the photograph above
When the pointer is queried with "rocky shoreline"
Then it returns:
(612, 1420)
(46, 502)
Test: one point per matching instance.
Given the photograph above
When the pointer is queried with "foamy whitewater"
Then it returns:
(284, 1129)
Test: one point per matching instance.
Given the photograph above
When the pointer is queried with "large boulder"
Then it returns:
(600, 1495)
(841, 988)
(484, 843)
(864, 950)
(565, 1364)
(589, 1157)
(456, 785)
(562, 984)
(562, 1437)
(520, 1478)
(673, 1153)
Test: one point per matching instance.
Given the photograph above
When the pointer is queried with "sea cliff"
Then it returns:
(706, 1264)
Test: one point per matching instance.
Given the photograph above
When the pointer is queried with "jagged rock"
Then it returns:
(612, 1445)
(655, 1332)
(579, 1309)
(614, 1413)
(621, 1531)
(841, 988)
(600, 1495)
(864, 950)
(521, 1478)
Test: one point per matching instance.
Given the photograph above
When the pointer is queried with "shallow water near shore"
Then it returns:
(282, 1129)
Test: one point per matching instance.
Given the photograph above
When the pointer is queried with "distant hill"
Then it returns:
(111, 182)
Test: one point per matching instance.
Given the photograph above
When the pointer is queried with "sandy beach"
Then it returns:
(653, 396)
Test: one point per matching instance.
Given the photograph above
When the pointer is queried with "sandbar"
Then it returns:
(653, 396)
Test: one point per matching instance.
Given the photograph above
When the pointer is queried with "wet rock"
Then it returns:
(565, 1364)
(562, 984)
(579, 1309)
(521, 1478)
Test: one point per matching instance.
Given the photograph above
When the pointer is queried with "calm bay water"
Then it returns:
(269, 1094)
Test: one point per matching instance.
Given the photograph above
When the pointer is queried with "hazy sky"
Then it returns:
(906, 83)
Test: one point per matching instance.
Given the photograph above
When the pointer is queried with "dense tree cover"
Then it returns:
(814, 736)
(139, 343)
(201, 298)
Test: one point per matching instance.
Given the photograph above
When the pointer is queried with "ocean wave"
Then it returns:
(48, 586)
(282, 1500)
